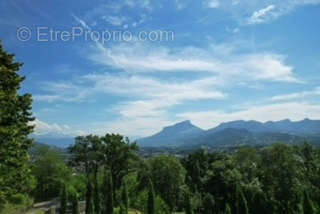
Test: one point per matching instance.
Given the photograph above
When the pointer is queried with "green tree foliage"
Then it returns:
(228, 209)
(119, 155)
(221, 180)
(97, 207)
(93, 154)
(75, 204)
(241, 202)
(247, 160)
(50, 171)
(63, 200)
(151, 199)
(188, 205)
(15, 127)
(308, 207)
(89, 198)
(108, 195)
(282, 175)
(168, 176)
(261, 203)
(122, 209)
(125, 197)
(197, 164)
(267, 180)
(208, 204)
(249, 180)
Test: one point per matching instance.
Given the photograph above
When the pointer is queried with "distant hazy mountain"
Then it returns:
(239, 137)
(175, 135)
(304, 127)
(226, 134)
(61, 142)
(236, 133)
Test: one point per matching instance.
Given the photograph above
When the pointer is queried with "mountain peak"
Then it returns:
(184, 123)
(185, 133)
(173, 135)
(181, 126)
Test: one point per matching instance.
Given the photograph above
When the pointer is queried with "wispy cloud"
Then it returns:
(81, 22)
(212, 3)
(53, 129)
(115, 20)
(298, 95)
(262, 15)
(62, 92)
(116, 12)
(139, 86)
(144, 58)
(180, 4)
(257, 11)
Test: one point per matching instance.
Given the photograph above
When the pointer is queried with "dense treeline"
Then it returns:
(111, 178)
(276, 179)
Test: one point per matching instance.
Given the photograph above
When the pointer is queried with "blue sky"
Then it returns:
(224, 60)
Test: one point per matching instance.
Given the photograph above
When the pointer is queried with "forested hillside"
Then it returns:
(107, 171)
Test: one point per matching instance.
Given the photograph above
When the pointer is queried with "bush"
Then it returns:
(19, 203)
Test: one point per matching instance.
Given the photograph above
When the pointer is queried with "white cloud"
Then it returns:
(213, 3)
(54, 129)
(270, 112)
(115, 20)
(295, 96)
(257, 11)
(151, 98)
(145, 58)
(62, 91)
(180, 4)
(114, 8)
(139, 86)
(262, 15)
(81, 22)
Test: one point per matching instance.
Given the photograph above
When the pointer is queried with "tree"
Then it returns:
(119, 156)
(260, 204)
(122, 209)
(75, 204)
(108, 195)
(196, 165)
(87, 156)
(308, 207)
(15, 127)
(168, 176)
(282, 175)
(96, 195)
(208, 204)
(89, 198)
(125, 198)
(228, 209)
(241, 202)
(50, 171)
(151, 199)
(221, 181)
(188, 205)
(63, 201)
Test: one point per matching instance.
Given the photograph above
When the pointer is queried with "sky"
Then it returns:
(135, 66)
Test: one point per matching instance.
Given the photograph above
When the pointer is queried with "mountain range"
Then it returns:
(229, 134)
(235, 133)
